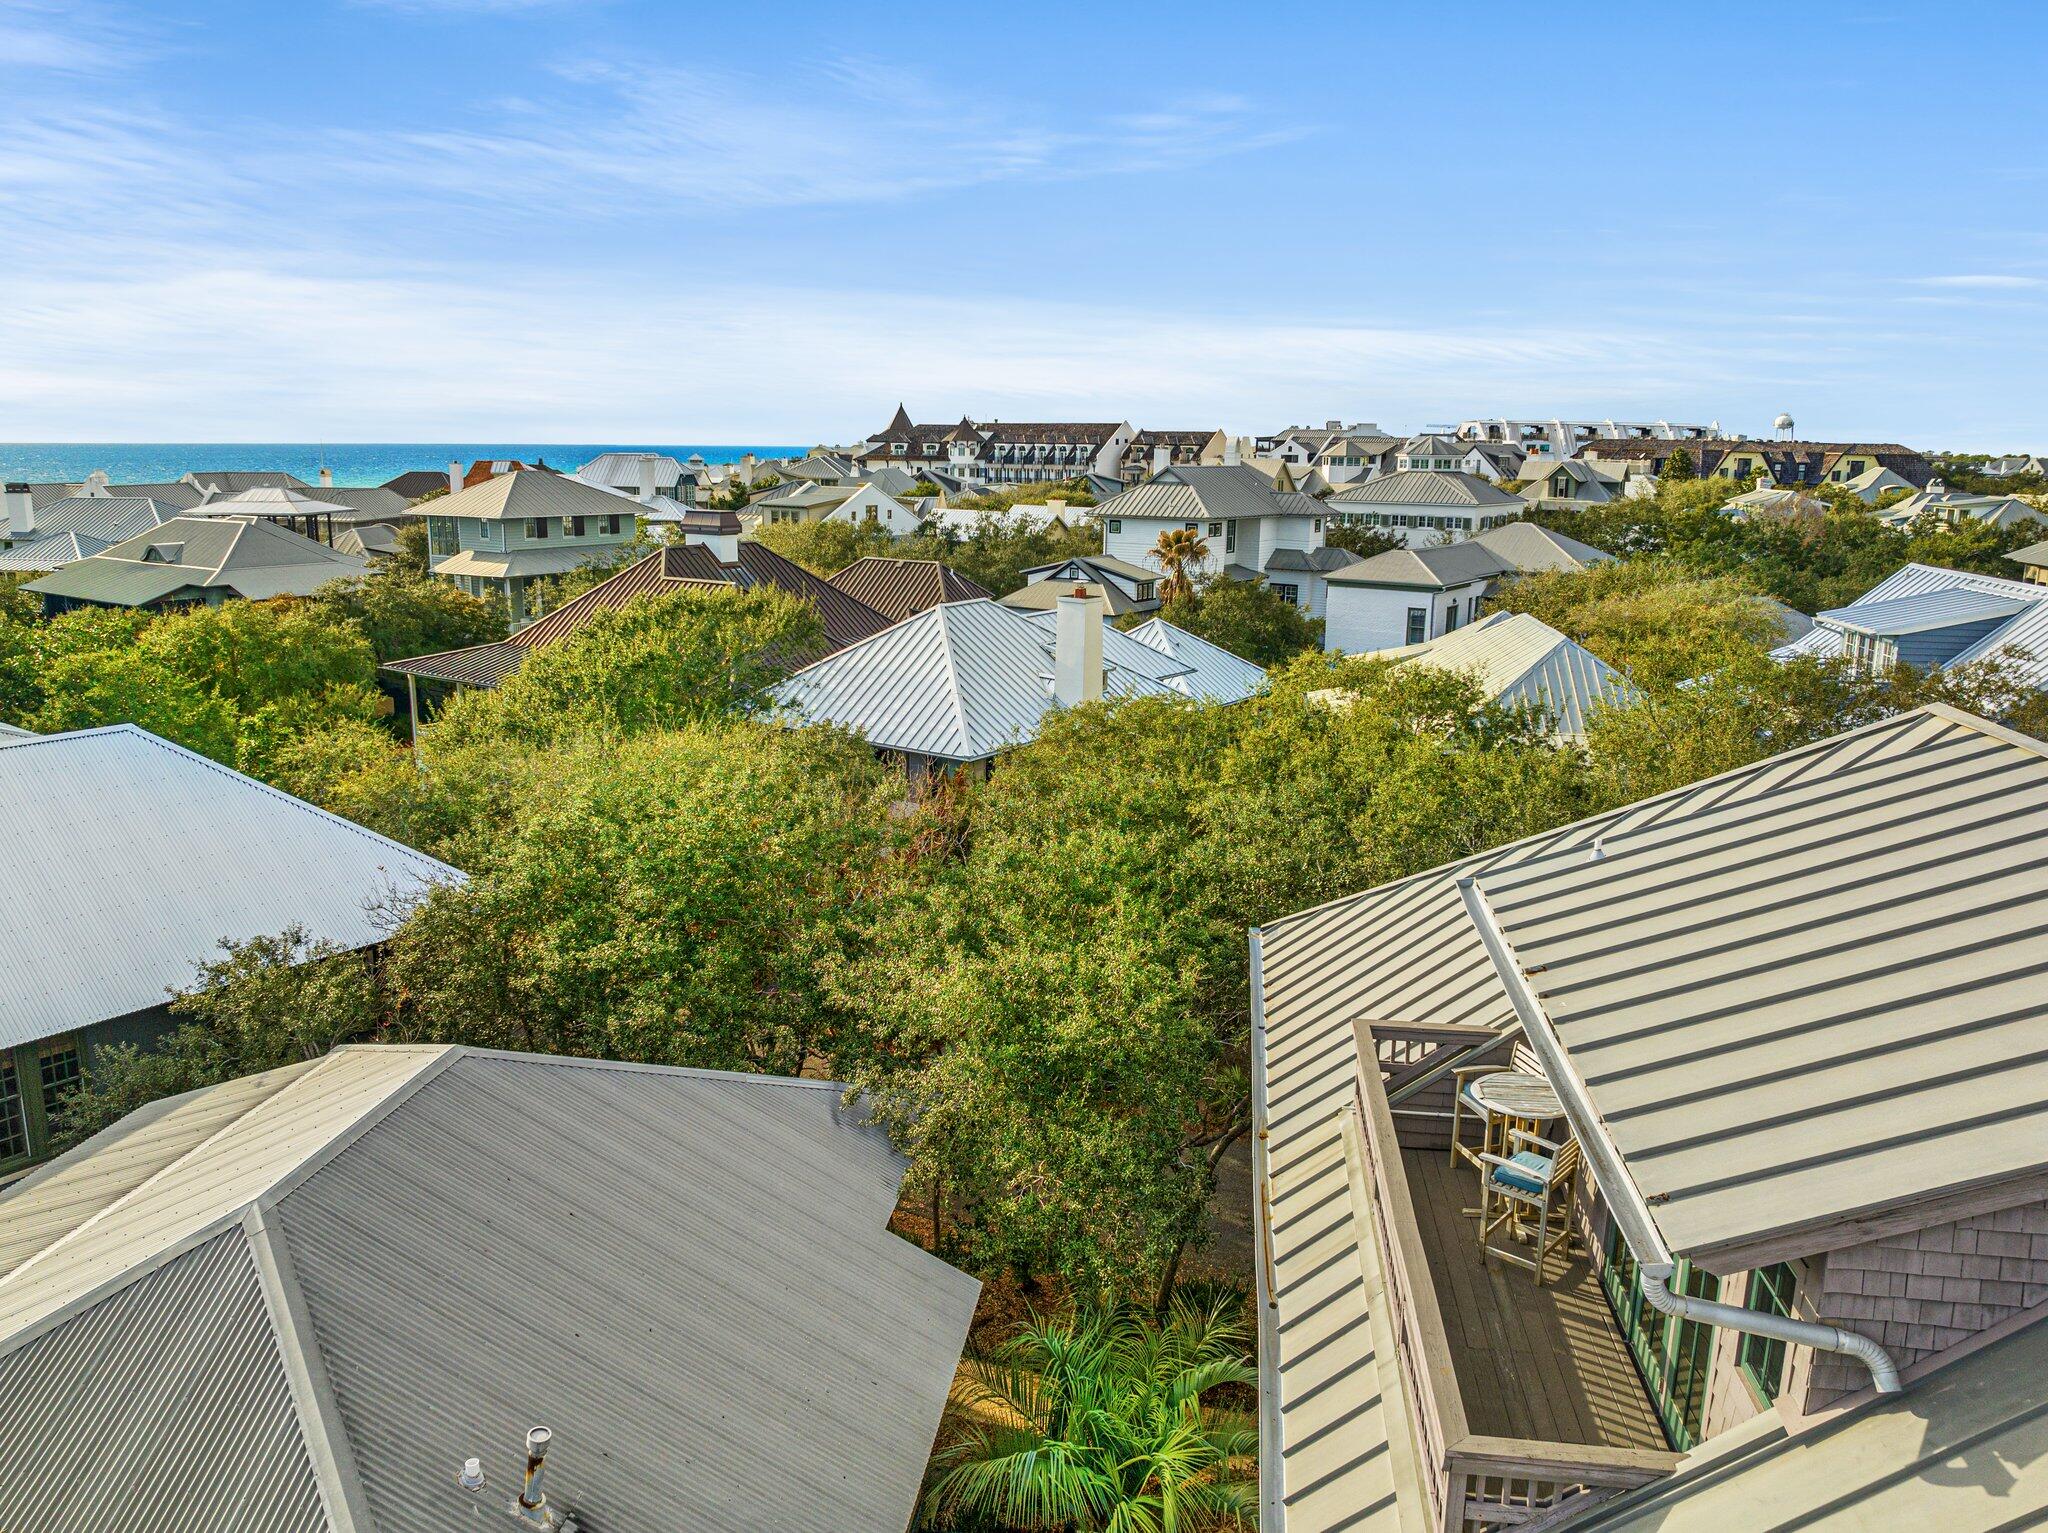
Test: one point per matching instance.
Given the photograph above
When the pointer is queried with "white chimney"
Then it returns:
(95, 484)
(747, 462)
(21, 511)
(646, 478)
(1162, 457)
(455, 479)
(1077, 649)
(326, 478)
(1230, 453)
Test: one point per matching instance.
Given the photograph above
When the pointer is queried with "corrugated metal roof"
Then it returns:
(897, 588)
(522, 563)
(50, 553)
(443, 1247)
(103, 518)
(168, 1406)
(1964, 1451)
(143, 856)
(1929, 609)
(958, 682)
(1519, 658)
(1795, 992)
(1424, 487)
(1214, 674)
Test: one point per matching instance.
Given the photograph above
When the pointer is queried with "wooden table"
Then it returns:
(1511, 1099)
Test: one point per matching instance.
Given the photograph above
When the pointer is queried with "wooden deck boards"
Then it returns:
(1545, 1363)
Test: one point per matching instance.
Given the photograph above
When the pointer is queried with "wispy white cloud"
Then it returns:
(841, 131)
(74, 37)
(1984, 280)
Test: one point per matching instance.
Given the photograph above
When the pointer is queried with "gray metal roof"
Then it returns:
(48, 553)
(1519, 658)
(143, 855)
(398, 1258)
(1221, 492)
(1796, 992)
(1532, 548)
(529, 492)
(1214, 674)
(1424, 487)
(103, 518)
(958, 682)
(2023, 640)
(1964, 1451)
(1453, 564)
(252, 559)
(1927, 610)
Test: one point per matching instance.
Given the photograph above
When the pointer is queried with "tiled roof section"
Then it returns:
(1424, 487)
(897, 588)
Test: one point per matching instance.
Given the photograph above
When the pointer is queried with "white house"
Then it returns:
(1424, 506)
(862, 505)
(643, 475)
(1408, 596)
(1958, 506)
(1412, 595)
(1252, 530)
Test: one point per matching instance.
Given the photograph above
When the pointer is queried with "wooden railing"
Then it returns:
(1476, 1484)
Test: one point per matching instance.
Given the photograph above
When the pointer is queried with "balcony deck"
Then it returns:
(1543, 1363)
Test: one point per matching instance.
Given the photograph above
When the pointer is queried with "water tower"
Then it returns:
(1783, 426)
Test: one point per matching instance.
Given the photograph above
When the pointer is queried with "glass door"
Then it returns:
(1673, 1356)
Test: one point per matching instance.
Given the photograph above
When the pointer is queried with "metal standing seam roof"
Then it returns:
(1521, 659)
(897, 588)
(253, 559)
(143, 856)
(1215, 675)
(1532, 548)
(105, 519)
(1795, 993)
(958, 682)
(1219, 492)
(2023, 640)
(1453, 564)
(352, 1275)
(524, 493)
(1929, 609)
(48, 553)
(1966, 1451)
(1424, 487)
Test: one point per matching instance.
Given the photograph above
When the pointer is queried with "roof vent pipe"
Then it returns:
(1884, 1373)
(532, 1504)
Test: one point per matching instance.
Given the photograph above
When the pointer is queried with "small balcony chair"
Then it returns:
(1532, 1187)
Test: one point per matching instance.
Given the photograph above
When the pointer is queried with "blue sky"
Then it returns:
(602, 220)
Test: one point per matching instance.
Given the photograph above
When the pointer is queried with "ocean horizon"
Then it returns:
(353, 464)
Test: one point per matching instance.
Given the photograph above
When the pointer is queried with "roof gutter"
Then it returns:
(1624, 1199)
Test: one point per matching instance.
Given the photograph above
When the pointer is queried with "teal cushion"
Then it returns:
(1534, 1178)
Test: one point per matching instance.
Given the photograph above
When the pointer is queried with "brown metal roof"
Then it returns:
(845, 619)
(900, 588)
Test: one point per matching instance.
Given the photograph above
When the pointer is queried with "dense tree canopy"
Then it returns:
(1244, 617)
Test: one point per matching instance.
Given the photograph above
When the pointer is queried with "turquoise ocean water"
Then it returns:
(353, 463)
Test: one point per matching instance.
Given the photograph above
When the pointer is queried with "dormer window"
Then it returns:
(164, 553)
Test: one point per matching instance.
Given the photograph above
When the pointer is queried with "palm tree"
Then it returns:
(1179, 550)
(1098, 1422)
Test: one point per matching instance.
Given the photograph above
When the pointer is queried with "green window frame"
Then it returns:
(1673, 1357)
(58, 1072)
(13, 1114)
(1771, 1291)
